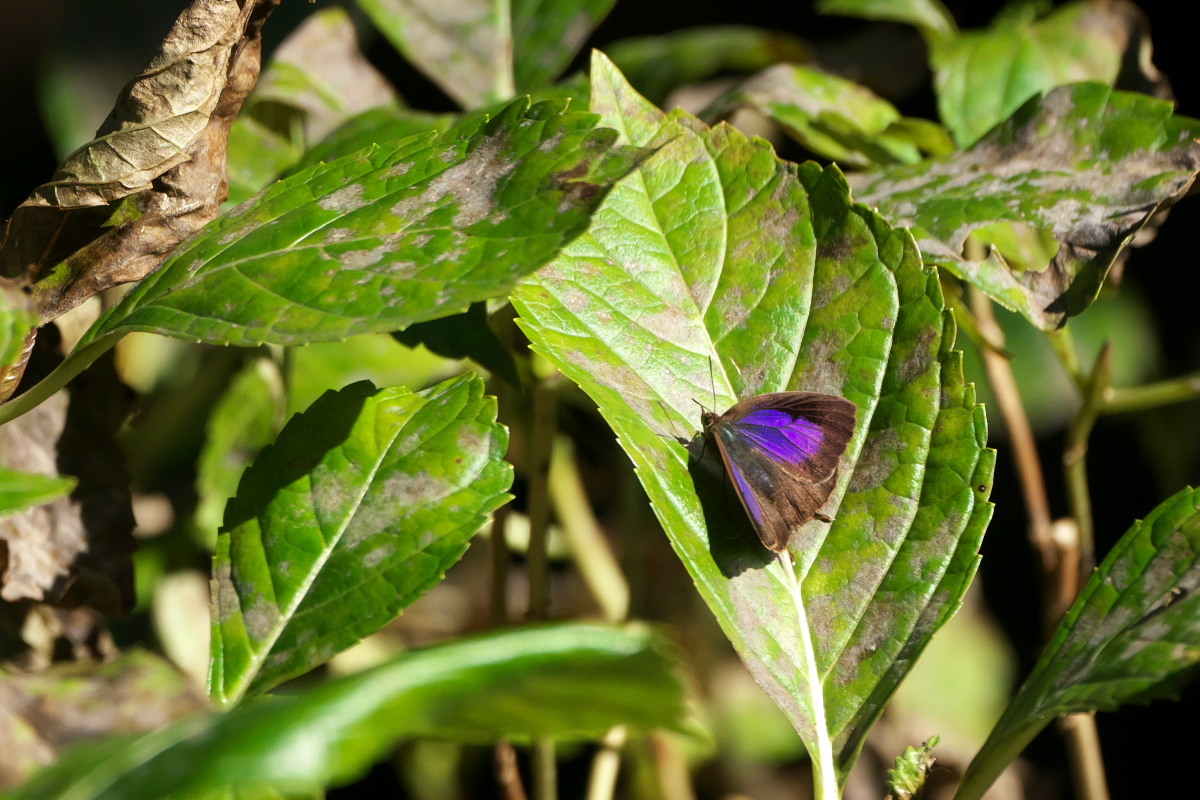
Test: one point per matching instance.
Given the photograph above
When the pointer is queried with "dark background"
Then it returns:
(1146, 748)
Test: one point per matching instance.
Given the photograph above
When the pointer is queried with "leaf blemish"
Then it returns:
(344, 200)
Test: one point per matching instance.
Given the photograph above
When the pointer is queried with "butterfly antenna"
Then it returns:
(712, 383)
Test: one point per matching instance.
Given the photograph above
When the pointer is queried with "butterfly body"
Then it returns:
(781, 451)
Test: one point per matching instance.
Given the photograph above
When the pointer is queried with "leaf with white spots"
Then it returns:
(718, 259)
(1057, 191)
(379, 239)
(1131, 636)
(360, 506)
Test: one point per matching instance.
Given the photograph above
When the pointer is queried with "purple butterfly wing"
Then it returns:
(781, 451)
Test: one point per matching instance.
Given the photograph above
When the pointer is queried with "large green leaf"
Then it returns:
(1132, 635)
(719, 255)
(1058, 190)
(485, 51)
(383, 238)
(567, 681)
(982, 77)
(376, 240)
(360, 506)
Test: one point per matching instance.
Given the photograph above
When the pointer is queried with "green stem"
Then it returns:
(825, 783)
(1075, 458)
(1064, 347)
(80, 359)
(593, 556)
(542, 432)
(1141, 398)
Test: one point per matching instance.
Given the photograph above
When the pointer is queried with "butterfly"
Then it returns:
(781, 451)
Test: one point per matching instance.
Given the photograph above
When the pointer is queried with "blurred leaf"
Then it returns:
(569, 681)
(1132, 635)
(362, 504)
(721, 255)
(929, 15)
(317, 80)
(547, 34)
(375, 126)
(48, 711)
(831, 116)
(657, 65)
(465, 335)
(20, 490)
(244, 420)
(982, 77)
(485, 51)
(377, 358)
(378, 240)
(1085, 164)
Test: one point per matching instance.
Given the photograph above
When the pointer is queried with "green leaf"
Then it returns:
(547, 34)
(21, 490)
(465, 335)
(375, 126)
(1130, 636)
(719, 255)
(360, 506)
(567, 682)
(486, 51)
(383, 238)
(657, 65)
(982, 77)
(244, 420)
(831, 116)
(16, 323)
(929, 15)
(1060, 189)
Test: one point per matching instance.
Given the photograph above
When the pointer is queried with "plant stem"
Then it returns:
(507, 774)
(1140, 398)
(1087, 763)
(1075, 458)
(1020, 433)
(594, 558)
(541, 440)
(1064, 347)
(825, 784)
(602, 784)
(542, 433)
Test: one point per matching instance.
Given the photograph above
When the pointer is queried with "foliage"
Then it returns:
(607, 265)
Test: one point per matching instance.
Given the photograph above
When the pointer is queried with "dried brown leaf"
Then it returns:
(155, 174)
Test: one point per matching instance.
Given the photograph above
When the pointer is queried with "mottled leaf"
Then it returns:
(831, 116)
(485, 51)
(929, 15)
(719, 255)
(1071, 178)
(1132, 635)
(567, 681)
(362, 503)
(657, 65)
(380, 239)
(982, 77)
